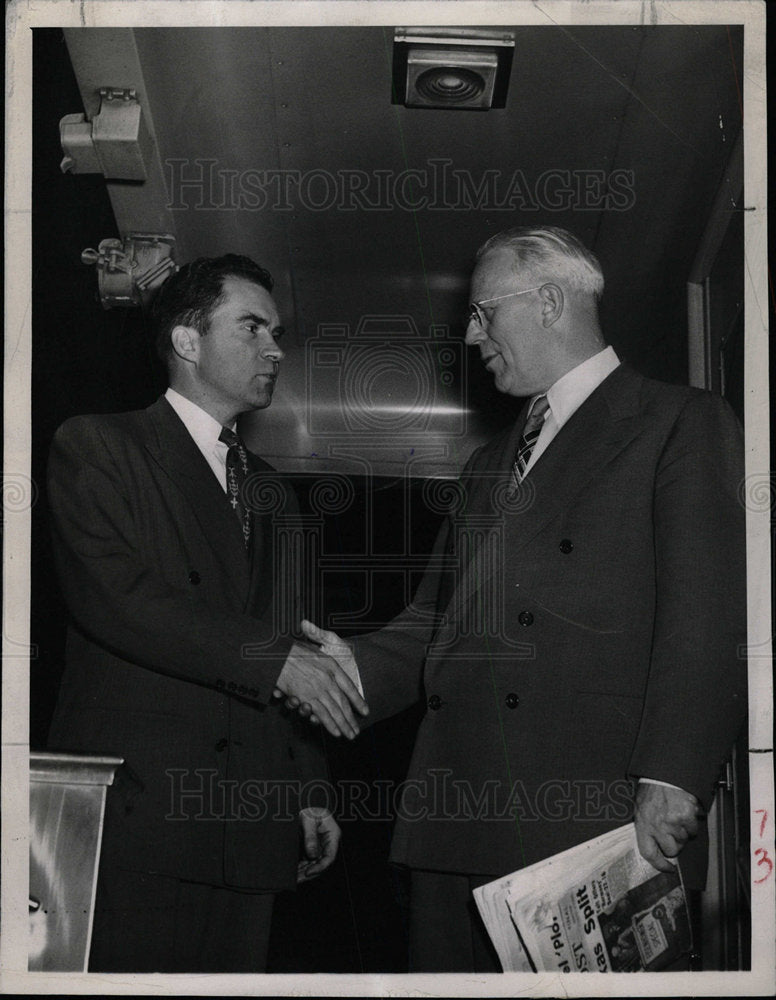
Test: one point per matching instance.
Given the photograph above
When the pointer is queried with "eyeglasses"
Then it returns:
(476, 314)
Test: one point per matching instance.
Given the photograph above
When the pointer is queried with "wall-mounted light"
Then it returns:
(461, 68)
(115, 143)
(131, 270)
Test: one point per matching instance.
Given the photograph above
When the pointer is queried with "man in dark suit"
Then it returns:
(169, 560)
(580, 622)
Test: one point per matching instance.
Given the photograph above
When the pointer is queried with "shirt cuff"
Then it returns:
(654, 781)
(357, 680)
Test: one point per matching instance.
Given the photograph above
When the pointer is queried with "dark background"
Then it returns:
(87, 359)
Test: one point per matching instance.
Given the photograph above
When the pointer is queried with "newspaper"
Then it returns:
(598, 907)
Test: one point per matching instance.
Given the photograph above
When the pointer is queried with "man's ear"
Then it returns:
(552, 304)
(185, 343)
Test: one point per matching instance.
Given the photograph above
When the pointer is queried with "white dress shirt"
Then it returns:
(204, 429)
(567, 395)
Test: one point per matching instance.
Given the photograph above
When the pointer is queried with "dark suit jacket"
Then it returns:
(590, 629)
(177, 639)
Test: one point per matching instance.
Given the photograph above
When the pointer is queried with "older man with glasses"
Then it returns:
(576, 637)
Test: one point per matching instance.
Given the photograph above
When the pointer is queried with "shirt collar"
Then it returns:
(198, 422)
(571, 390)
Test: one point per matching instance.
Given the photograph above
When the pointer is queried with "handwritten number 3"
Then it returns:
(762, 859)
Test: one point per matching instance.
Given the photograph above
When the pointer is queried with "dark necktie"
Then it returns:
(236, 475)
(531, 432)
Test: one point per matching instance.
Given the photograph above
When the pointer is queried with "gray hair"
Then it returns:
(553, 249)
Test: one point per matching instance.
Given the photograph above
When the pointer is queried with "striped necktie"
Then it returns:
(531, 432)
(236, 475)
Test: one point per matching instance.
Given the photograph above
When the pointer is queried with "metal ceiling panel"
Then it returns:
(283, 143)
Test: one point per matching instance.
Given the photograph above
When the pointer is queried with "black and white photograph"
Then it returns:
(387, 505)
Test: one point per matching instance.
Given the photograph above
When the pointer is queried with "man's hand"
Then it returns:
(666, 818)
(321, 835)
(331, 644)
(315, 680)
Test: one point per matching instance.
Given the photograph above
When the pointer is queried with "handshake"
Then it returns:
(321, 682)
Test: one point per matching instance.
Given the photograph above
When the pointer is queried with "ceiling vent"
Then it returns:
(465, 69)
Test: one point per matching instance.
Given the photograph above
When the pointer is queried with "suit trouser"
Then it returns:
(151, 923)
(446, 932)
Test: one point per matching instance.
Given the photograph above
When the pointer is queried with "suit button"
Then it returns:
(253, 692)
(194, 577)
(525, 618)
(222, 745)
(512, 701)
(566, 546)
(434, 702)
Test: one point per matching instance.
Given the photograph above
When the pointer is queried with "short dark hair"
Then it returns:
(189, 296)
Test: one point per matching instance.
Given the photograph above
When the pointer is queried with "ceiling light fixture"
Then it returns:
(461, 68)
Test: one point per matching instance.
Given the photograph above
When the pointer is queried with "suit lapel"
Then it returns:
(606, 423)
(589, 441)
(174, 449)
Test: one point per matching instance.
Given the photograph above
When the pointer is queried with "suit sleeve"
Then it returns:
(122, 603)
(390, 662)
(696, 694)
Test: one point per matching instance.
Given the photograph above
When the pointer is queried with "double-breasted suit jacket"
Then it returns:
(583, 631)
(175, 646)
